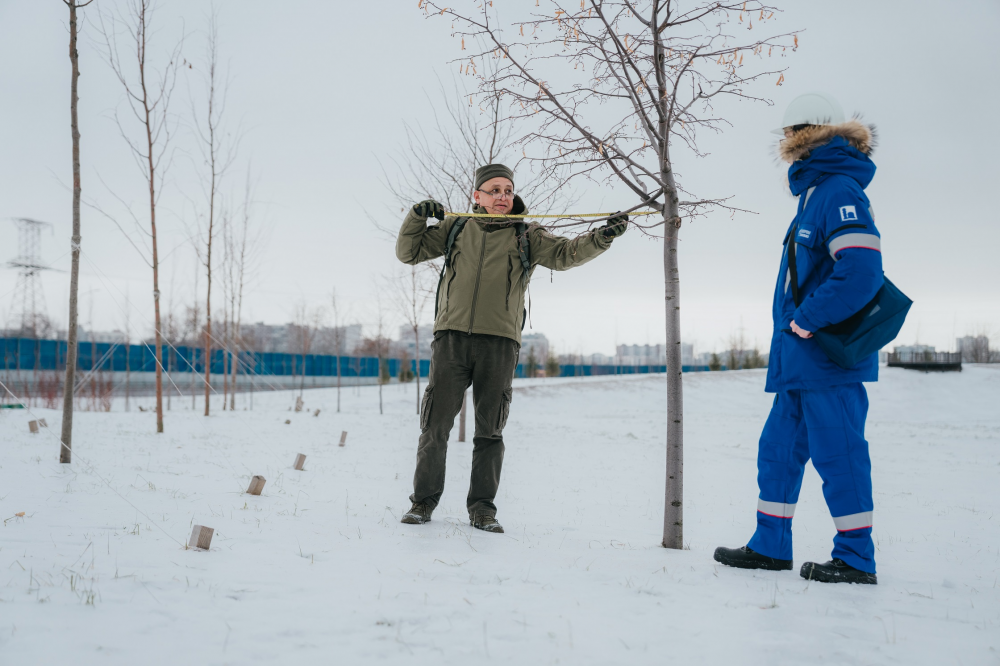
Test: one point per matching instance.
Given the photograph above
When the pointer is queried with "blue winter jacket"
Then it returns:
(838, 259)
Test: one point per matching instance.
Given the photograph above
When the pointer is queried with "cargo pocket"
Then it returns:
(425, 407)
(508, 395)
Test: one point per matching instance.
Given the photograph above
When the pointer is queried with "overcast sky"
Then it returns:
(323, 89)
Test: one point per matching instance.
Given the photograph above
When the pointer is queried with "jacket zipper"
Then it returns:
(510, 284)
(454, 273)
(479, 275)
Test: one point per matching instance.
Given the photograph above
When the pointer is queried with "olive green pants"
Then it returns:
(487, 362)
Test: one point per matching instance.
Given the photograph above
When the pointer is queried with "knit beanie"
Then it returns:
(485, 173)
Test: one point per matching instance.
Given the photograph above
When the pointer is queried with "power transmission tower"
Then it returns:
(28, 309)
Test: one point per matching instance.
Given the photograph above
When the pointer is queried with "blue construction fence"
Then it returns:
(30, 354)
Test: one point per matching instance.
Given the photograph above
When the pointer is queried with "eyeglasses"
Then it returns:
(500, 194)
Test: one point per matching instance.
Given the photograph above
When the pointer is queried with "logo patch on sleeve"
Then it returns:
(848, 214)
(805, 233)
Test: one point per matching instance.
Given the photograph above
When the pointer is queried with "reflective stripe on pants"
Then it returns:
(776, 509)
(855, 521)
(826, 426)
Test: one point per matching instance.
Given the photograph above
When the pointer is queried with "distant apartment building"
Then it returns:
(408, 340)
(913, 349)
(651, 354)
(974, 349)
(909, 350)
(289, 338)
(535, 343)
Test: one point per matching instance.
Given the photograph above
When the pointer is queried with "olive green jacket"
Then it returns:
(483, 288)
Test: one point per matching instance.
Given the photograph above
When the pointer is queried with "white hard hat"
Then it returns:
(814, 108)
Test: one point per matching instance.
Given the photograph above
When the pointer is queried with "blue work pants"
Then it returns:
(827, 426)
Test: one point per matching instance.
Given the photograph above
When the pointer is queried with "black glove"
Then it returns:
(615, 227)
(429, 208)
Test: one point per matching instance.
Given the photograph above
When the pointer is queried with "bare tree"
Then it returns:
(975, 345)
(379, 346)
(218, 153)
(441, 163)
(192, 325)
(338, 338)
(576, 78)
(305, 323)
(224, 335)
(66, 438)
(171, 330)
(149, 102)
(127, 341)
(413, 289)
(243, 244)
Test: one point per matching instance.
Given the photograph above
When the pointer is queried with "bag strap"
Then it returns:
(523, 246)
(456, 228)
(524, 251)
(792, 264)
(450, 242)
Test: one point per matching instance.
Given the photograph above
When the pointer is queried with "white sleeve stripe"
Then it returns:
(869, 241)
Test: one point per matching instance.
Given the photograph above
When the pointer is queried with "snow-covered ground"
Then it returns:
(318, 569)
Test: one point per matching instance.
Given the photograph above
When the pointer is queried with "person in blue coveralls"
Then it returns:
(819, 407)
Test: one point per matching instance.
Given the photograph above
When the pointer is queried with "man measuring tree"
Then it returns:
(479, 314)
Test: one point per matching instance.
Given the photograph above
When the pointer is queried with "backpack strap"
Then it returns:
(523, 246)
(453, 233)
(524, 251)
(793, 271)
(456, 229)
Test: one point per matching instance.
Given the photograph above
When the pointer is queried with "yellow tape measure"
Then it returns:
(564, 216)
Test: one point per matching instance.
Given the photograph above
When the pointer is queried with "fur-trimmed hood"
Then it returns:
(802, 143)
(816, 153)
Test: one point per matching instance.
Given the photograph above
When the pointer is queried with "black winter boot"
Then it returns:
(744, 558)
(418, 514)
(837, 571)
(486, 522)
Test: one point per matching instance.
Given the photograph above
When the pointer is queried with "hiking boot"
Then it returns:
(837, 571)
(418, 514)
(744, 558)
(487, 523)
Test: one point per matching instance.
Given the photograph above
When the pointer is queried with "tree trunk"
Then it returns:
(194, 374)
(128, 376)
(302, 380)
(673, 514)
(234, 349)
(225, 370)
(156, 272)
(234, 368)
(208, 321)
(416, 355)
(66, 439)
(461, 417)
(171, 365)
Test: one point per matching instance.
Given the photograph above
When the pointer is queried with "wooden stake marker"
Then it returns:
(33, 427)
(300, 461)
(201, 537)
(256, 485)
(343, 438)
(42, 423)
